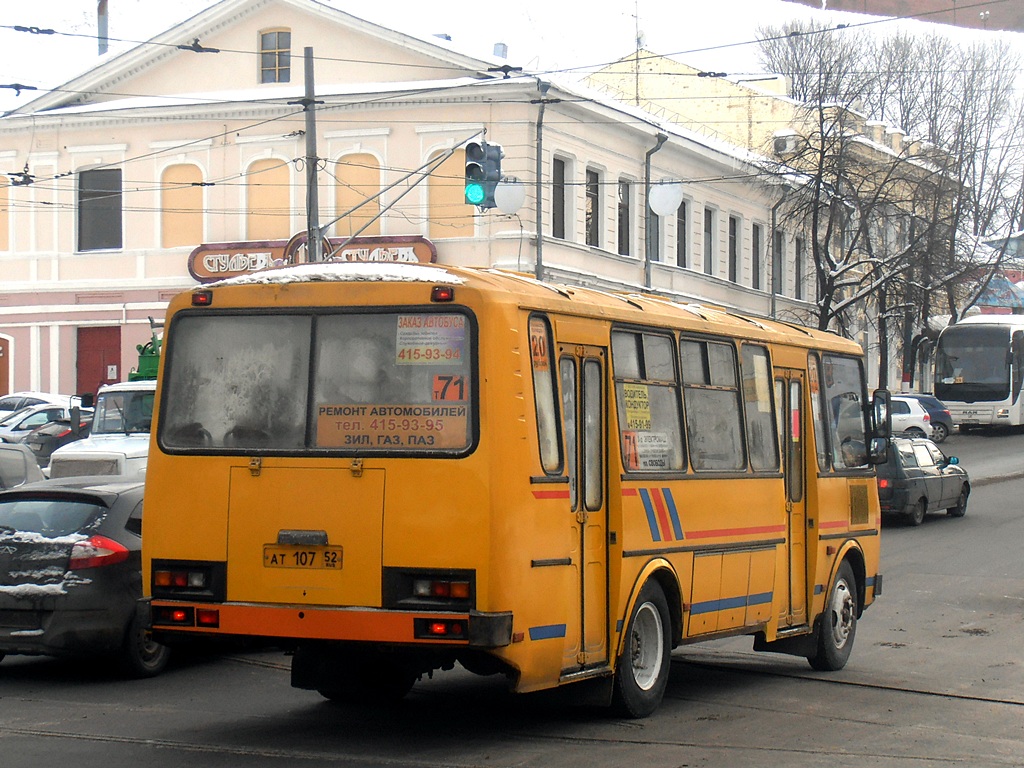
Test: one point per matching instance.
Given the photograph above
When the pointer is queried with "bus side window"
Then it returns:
(817, 412)
(712, 401)
(545, 395)
(757, 394)
(647, 397)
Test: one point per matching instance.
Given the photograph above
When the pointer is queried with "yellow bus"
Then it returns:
(391, 469)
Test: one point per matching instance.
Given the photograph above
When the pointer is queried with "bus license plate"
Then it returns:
(275, 556)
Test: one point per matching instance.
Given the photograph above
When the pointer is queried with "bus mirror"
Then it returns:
(882, 416)
(878, 452)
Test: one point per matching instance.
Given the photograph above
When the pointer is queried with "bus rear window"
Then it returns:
(356, 383)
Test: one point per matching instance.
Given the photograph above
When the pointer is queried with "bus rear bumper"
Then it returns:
(472, 629)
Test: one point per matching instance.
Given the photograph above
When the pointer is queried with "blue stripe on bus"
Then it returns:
(652, 518)
(677, 527)
(729, 603)
(548, 632)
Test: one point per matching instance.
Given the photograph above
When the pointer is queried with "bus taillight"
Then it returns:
(440, 629)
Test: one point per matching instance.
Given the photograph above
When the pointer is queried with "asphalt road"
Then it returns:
(936, 679)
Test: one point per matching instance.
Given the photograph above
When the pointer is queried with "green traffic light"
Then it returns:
(474, 193)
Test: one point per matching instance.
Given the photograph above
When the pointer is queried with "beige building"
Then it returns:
(197, 140)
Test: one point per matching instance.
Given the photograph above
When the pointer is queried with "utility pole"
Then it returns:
(314, 237)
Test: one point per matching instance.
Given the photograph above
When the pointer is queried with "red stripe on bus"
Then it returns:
(551, 494)
(663, 521)
(735, 532)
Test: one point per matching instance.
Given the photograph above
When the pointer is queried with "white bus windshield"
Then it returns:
(972, 363)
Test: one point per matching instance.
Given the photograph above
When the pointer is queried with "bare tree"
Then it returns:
(899, 227)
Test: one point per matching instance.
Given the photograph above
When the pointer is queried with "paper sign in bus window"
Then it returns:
(430, 340)
(646, 450)
(638, 406)
(393, 426)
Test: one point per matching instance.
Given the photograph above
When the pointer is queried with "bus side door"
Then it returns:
(789, 388)
(584, 402)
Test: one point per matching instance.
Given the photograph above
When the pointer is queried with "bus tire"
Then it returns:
(838, 626)
(642, 672)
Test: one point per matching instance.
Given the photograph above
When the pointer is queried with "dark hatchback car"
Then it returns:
(70, 572)
(919, 478)
(44, 440)
(941, 420)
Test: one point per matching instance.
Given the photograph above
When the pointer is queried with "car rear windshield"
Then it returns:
(348, 382)
(48, 517)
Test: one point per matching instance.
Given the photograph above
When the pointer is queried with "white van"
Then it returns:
(119, 441)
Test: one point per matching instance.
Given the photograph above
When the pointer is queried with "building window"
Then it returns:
(276, 56)
(624, 214)
(99, 209)
(450, 216)
(682, 234)
(734, 248)
(798, 268)
(558, 198)
(593, 208)
(778, 255)
(709, 241)
(358, 178)
(756, 255)
(181, 206)
(5, 223)
(268, 213)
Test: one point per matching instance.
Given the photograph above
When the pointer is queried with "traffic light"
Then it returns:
(483, 172)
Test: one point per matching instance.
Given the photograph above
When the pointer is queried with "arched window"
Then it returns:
(450, 214)
(358, 179)
(267, 213)
(181, 206)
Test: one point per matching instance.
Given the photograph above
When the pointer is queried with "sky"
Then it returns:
(541, 35)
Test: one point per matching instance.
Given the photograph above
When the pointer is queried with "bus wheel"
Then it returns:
(838, 623)
(642, 673)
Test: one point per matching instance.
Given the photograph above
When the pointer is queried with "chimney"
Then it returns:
(101, 26)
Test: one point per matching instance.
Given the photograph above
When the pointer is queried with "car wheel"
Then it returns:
(915, 514)
(939, 432)
(915, 432)
(141, 655)
(642, 673)
(838, 623)
(960, 508)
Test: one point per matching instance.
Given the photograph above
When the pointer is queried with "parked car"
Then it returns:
(70, 572)
(909, 417)
(941, 420)
(919, 478)
(119, 441)
(17, 465)
(18, 400)
(44, 440)
(16, 426)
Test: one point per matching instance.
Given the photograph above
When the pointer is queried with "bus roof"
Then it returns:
(1014, 321)
(527, 292)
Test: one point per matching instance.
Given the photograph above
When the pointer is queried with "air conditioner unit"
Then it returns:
(786, 145)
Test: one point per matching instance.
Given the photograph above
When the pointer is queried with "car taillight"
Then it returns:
(95, 552)
(883, 482)
(927, 417)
